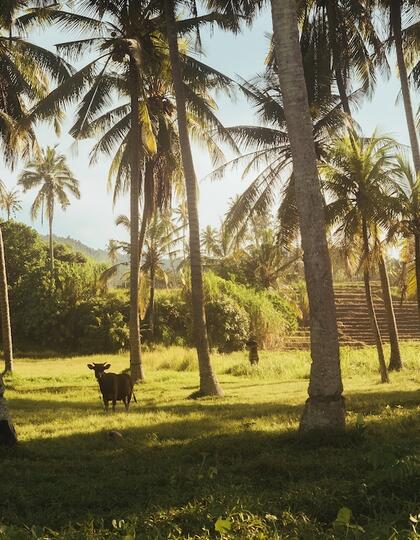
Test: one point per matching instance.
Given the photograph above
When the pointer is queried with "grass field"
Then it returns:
(182, 464)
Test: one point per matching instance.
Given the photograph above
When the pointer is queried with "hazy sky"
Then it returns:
(91, 219)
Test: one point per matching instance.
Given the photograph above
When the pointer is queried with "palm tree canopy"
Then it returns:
(26, 71)
(267, 149)
(10, 201)
(360, 180)
(49, 172)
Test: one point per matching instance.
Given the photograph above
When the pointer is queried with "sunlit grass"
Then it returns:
(181, 463)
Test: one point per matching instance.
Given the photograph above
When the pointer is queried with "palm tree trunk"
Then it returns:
(151, 307)
(396, 28)
(208, 381)
(417, 266)
(51, 241)
(341, 85)
(342, 91)
(324, 408)
(395, 362)
(136, 366)
(371, 307)
(6, 326)
(7, 431)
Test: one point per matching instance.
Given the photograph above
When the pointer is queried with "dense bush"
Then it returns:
(173, 322)
(234, 312)
(227, 324)
(75, 313)
(71, 315)
(99, 325)
(269, 320)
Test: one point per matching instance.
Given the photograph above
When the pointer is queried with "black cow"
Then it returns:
(114, 387)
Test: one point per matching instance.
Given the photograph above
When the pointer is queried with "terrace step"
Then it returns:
(353, 319)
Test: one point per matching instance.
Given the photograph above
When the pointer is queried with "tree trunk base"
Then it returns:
(395, 364)
(8, 435)
(215, 390)
(137, 373)
(323, 414)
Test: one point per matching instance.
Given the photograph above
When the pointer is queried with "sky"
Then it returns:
(91, 219)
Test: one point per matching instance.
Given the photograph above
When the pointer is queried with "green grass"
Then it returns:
(182, 464)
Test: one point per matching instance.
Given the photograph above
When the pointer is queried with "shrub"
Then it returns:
(99, 326)
(227, 324)
(172, 319)
(266, 323)
(233, 312)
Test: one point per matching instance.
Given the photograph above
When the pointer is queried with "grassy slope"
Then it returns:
(182, 464)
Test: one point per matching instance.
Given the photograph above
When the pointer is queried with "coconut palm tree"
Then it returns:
(325, 408)
(50, 173)
(345, 41)
(130, 51)
(21, 63)
(6, 326)
(11, 203)
(210, 240)
(408, 200)
(360, 179)
(267, 148)
(162, 240)
(209, 384)
(403, 22)
(117, 67)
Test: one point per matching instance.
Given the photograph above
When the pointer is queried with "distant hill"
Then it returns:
(98, 255)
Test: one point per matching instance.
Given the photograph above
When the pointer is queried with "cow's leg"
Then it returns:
(127, 400)
(106, 405)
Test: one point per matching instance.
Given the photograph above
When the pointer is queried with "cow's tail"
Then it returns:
(134, 397)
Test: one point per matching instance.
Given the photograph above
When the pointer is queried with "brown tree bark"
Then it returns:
(324, 408)
(417, 267)
(209, 385)
(395, 362)
(8, 435)
(405, 89)
(370, 306)
(51, 250)
(6, 326)
(151, 306)
(136, 366)
(341, 85)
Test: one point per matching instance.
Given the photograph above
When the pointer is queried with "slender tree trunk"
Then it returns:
(7, 431)
(341, 85)
(6, 326)
(371, 308)
(151, 314)
(142, 235)
(51, 241)
(136, 366)
(324, 408)
(342, 91)
(408, 107)
(417, 266)
(395, 362)
(208, 381)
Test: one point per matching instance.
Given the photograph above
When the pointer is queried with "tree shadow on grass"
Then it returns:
(200, 466)
(375, 402)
